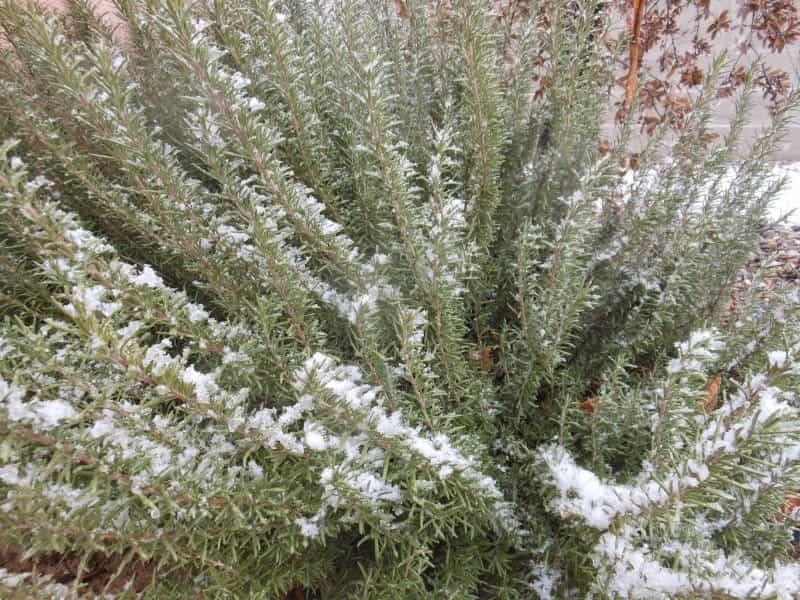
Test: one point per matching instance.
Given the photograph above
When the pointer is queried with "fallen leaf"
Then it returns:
(589, 404)
(710, 399)
(486, 358)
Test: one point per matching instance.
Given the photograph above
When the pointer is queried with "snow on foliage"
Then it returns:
(314, 296)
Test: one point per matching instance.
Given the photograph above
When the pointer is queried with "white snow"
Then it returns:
(50, 412)
(777, 358)
(156, 357)
(308, 527)
(255, 469)
(148, 277)
(637, 573)
(205, 385)
(694, 354)
(44, 414)
(12, 580)
(91, 298)
(5, 348)
(255, 104)
(83, 239)
(368, 485)
(101, 428)
(314, 436)
(196, 313)
(789, 199)
(9, 474)
(545, 580)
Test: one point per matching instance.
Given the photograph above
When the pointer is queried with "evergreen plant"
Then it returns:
(324, 295)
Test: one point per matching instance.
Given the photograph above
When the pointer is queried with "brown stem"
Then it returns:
(635, 52)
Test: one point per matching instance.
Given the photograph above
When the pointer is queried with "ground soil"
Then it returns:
(102, 573)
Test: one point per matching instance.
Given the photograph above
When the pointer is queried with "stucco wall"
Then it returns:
(102, 7)
(788, 60)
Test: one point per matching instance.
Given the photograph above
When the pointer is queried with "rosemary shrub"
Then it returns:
(318, 294)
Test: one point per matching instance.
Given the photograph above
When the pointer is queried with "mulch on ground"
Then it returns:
(101, 574)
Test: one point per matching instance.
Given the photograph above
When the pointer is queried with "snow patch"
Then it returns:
(788, 200)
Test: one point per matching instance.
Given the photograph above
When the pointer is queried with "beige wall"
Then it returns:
(104, 8)
(788, 61)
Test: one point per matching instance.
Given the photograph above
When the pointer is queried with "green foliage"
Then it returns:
(313, 294)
